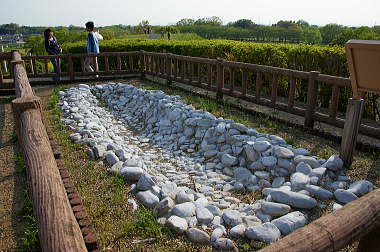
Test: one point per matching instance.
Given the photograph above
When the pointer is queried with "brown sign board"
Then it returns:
(363, 58)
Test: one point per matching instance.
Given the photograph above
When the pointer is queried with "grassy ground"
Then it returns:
(105, 196)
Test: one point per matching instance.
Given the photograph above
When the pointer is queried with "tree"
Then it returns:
(286, 24)
(302, 23)
(209, 21)
(242, 23)
(363, 32)
(376, 29)
(311, 35)
(143, 26)
(185, 21)
(330, 31)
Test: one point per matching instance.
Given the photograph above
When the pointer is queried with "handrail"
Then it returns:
(57, 226)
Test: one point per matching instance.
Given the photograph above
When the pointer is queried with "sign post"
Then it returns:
(363, 57)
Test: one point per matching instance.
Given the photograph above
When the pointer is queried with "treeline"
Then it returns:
(281, 32)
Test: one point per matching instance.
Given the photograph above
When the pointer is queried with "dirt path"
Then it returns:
(12, 185)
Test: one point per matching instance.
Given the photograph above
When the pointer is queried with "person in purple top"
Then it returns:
(52, 48)
(92, 47)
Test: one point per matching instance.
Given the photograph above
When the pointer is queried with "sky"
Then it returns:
(167, 12)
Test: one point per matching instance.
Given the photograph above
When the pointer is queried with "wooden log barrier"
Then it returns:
(58, 228)
(334, 231)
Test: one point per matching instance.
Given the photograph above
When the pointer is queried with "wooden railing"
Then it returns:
(255, 83)
(58, 229)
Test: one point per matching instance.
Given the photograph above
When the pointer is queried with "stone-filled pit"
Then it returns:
(186, 165)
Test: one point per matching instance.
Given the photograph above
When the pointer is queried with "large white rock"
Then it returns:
(290, 222)
(177, 223)
(361, 187)
(274, 209)
(229, 160)
(186, 209)
(197, 236)
(204, 216)
(293, 199)
(147, 198)
(232, 218)
(163, 207)
(266, 232)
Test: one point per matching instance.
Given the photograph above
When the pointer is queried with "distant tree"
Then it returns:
(311, 35)
(363, 32)
(330, 31)
(302, 23)
(185, 21)
(376, 29)
(209, 21)
(143, 26)
(242, 23)
(286, 24)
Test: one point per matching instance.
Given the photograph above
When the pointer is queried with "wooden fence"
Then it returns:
(57, 226)
(59, 230)
(254, 83)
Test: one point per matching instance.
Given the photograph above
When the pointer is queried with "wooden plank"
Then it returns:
(274, 90)
(130, 58)
(106, 64)
(220, 80)
(58, 228)
(71, 68)
(292, 91)
(199, 73)
(334, 101)
(232, 79)
(175, 72)
(82, 64)
(244, 82)
(34, 67)
(259, 83)
(351, 128)
(311, 99)
(334, 231)
(118, 62)
(209, 74)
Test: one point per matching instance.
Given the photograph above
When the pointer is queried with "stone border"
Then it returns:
(88, 231)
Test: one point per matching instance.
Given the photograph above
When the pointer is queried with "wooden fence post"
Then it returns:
(142, 63)
(220, 79)
(4, 61)
(168, 69)
(311, 99)
(71, 68)
(351, 128)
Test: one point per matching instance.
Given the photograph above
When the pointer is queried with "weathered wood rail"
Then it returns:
(58, 228)
(358, 220)
(254, 83)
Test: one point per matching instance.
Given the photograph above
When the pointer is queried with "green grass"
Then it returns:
(30, 240)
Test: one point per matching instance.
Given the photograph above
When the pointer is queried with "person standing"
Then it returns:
(168, 35)
(52, 48)
(92, 47)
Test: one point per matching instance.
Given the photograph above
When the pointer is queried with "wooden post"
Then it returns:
(4, 61)
(334, 101)
(209, 75)
(57, 225)
(142, 64)
(274, 90)
(31, 65)
(58, 228)
(220, 79)
(168, 69)
(71, 68)
(244, 82)
(292, 89)
(351, 128)
(259, 83)
(311, 99)
(106, 64)
(336, 230)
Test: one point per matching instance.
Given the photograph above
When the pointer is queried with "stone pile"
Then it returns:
(186, 165)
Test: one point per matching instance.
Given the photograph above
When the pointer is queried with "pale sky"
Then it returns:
(164, 12)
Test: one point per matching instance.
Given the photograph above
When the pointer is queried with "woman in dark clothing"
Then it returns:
(52, 47)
